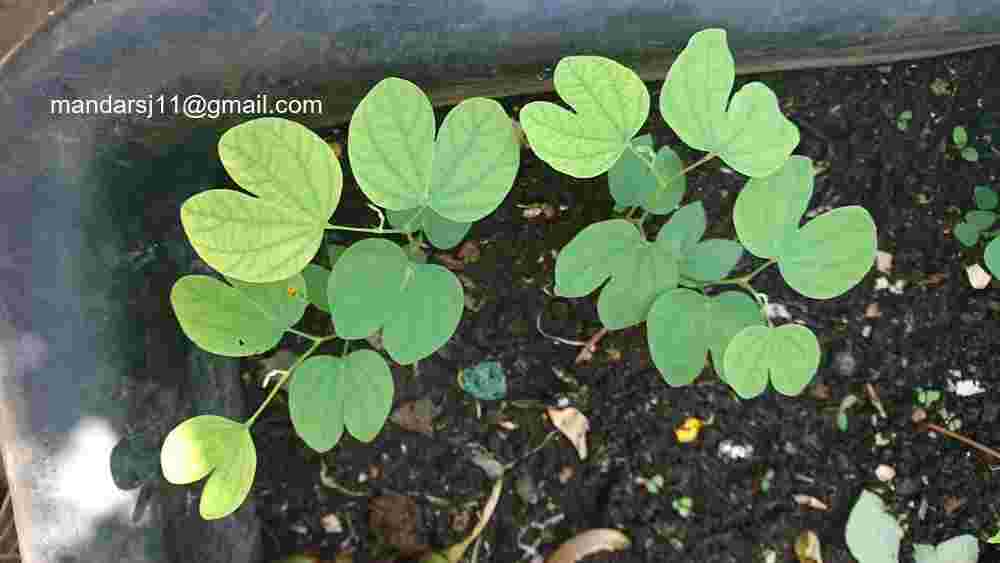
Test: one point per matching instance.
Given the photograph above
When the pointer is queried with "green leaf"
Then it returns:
(992, 257)
(966, 234)
(664, 200)
(711, 259)
(985, 197)
(317, 279)
(959, 549)
(960, 136)
(768, 210)
(215, 446)
(970, 154)
(980, 220)
(830, 254)
(365, 287)
(752, 136)
(328, 394)
(271, 237)
(239, 320)
(788, 355)
(427, 314)
(872, 534)
(408, 220)
(335, 251)
(684, 325)
(632, 183)
(637, 280)
(610, 104)
(592, 256)
(684, 230)
(443, 232)
(391, 144)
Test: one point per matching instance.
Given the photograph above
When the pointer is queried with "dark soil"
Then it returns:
(935, 331)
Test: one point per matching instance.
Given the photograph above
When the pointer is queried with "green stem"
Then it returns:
(739, 280)
(662, 184)
(281, 382)
(364, 230)
(304, 335)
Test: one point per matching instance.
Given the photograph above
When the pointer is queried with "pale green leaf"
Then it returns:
(768, 210)
(711, 259)
(328, 394)
(872, 534)
(663, 200)
(751, 135)
(960, 136)
(637, 280)
(959, 549)
(443, 232)
(391, 145)
(788, 355)
(610, 104)
(732, 311)
(684, 229)
(475, 160)
(591, 257)
(365, 287)
(213, 446)
(830, 254)
(980, 220)
(273, 236)
(629, 178)
(970, 154)
(317, 279)
(227, 321)
(966, 234)
(992, 257)
(986, 198)
(408, 220)
(427, 314)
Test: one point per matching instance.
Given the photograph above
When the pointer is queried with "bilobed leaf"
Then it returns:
(271, 237)
(749, 132)
(426, 316)
(328, 394)
(966, 234)
(663, 200)
(830, 254)
(610, 104)
(637, 280)
(217, 447)
(236, 321)
(970, 154)
(992, 257)
(391, 145)
(593, 254)
(630, 177)
(979, 219)
(986, 198)
(872, 534)
(442, 232)
(684, 325)
(684, 229)
(959, 549)
(408, 220)
(475, 160)
(768, 210)
(365, 287)
(317, 279)
(711, 259)
(788, 355)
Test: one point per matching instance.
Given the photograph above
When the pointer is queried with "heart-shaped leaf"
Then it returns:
(711, 259)
(788, 355)
(768, 210)
(966, 234)
(463, 175)
(637, 280)
(830, 254)
(684, 325)
(980, 219)
(610, 104)
(298, 181)
(632, 182)
(317, 279)
(986, 198)
(593, 255)
(328, 394)
(872, 534)
(239, 320)
(365, 287)
(992, 257)
(959, 549)
(684, 230)
(215, 446)
(752, 136)
(441, 232)
(427, 314)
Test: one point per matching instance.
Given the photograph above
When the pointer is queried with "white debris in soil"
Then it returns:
(299, 529)
(777, 311)
(965, 387)
(885, 473)
(883, 261)
(866, 331)
(362, 477)
(882, 284)
(332, 524)
(733, 451)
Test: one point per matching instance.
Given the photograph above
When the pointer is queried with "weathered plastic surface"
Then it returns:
(90, 355)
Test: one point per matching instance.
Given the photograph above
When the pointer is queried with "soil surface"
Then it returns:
(420, 483)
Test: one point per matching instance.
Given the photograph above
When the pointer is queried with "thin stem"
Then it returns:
(347, 346)
(285, 376)
(963, 439)
(364, 230)
(662, 184)
(303, 334)
(739, 280)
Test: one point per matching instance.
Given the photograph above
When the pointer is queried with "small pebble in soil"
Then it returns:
(331, 524)
(885, 473)
(728, 449)
(845, 363)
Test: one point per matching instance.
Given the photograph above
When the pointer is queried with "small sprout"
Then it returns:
(927, 397)
(845, 404)
(970, 154)
(903, 120)
(765, 482)
(688, 431)
(960, 136)
(995, 538)
(653, 485)
(940, 87)
(683, 506)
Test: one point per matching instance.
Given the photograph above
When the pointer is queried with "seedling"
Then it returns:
(653, 485)
(940, 87)
(683, 506)
(903, 120)
(663, 281)
(927, 397)
(960, 136)
(977, 224)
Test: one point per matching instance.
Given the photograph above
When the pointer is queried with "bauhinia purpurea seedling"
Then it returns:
(977, 225)
(436, 186)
